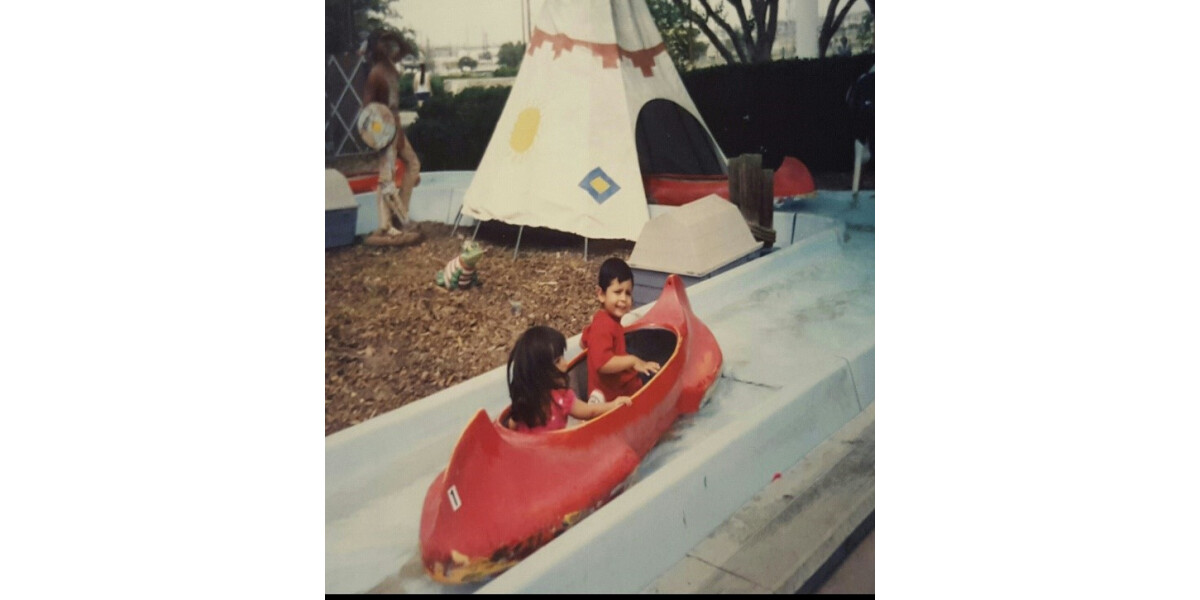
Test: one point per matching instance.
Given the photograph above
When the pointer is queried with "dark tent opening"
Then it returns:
(670, 140)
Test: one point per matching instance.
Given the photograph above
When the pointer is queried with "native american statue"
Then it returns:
(460, 273)
(378, 129)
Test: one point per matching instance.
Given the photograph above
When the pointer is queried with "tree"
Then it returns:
(751, 41)
(467, 63)
(678, 33)
(866, 32)
(339, 27)
(833, 22)
(510, 54)
(348, 22)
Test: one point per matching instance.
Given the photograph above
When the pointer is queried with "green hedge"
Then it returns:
(408, 97)
(783, 108)
(452, 131)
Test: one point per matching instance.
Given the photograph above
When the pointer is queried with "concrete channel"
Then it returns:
(707, 512)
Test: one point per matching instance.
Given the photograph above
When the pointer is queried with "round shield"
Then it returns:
(376, 126)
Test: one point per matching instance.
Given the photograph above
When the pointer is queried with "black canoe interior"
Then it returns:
(647, 344)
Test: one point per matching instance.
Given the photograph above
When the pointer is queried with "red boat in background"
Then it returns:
(504, 493)
(792, 180)
(366, 182)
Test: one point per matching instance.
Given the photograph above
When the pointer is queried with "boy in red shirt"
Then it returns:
(612, 370)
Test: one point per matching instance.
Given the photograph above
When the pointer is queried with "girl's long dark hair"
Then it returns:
(532, 374)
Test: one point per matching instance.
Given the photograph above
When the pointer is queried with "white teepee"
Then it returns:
(596, 86)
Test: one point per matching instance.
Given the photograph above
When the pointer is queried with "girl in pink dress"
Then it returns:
(539, 388)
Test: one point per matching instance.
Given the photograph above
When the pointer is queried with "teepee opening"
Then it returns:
(671, 140)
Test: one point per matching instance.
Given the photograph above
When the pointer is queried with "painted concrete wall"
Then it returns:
(437, 200)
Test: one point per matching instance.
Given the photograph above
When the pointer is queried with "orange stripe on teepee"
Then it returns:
(608, 53)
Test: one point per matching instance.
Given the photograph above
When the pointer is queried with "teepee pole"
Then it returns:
(457, 218)
(585, 249)
(519, 232)
(476, 230)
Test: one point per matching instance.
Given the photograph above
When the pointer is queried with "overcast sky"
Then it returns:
(460, 22)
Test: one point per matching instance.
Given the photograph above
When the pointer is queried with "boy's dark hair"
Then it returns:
(614, 268)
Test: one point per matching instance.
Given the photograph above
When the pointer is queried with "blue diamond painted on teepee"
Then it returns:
(599, 185)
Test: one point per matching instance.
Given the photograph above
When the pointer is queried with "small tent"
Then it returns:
(596, 104)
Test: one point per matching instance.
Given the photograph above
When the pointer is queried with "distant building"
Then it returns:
(797, 33)
(803, 28)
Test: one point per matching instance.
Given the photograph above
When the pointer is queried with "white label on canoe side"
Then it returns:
(455, 501)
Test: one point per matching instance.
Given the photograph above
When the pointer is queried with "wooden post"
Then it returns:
(766, 209)
(752, 189)
(736, 174)
(745, 184)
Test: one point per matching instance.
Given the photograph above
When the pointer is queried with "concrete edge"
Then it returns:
(843, 551)
(771, 524)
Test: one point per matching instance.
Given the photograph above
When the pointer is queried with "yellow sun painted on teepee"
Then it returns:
(525, 130)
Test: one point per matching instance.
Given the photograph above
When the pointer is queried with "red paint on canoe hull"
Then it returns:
(366, 182)
(791, 179)
(518, 491)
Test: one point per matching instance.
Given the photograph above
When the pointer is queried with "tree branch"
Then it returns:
(837, 23)
(831, 24)
(765, 12)
(766, 38)
(747, 26)
(738, 43)
(702, 23)
(753, 43)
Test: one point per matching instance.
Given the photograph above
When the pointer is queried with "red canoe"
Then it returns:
(792, 180)
(504, 494)
(366, 182)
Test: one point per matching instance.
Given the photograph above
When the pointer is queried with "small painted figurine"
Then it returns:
(459, 273)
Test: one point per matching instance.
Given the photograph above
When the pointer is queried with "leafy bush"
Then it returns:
(451, 132)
